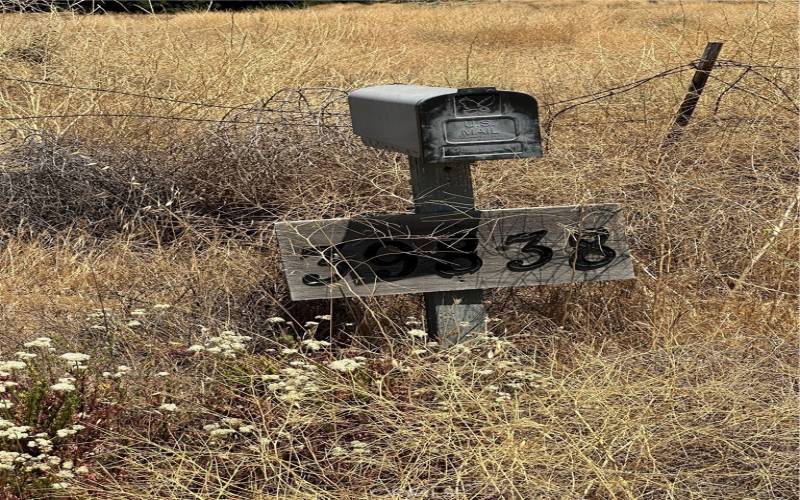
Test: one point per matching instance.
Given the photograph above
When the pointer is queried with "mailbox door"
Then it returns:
(479, 124)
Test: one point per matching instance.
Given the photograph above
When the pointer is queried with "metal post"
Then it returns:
(704, 67)
(445, 188)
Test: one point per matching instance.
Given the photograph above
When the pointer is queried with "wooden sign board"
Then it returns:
(413, 253)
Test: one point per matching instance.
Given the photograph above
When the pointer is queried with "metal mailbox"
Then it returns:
(442, 124)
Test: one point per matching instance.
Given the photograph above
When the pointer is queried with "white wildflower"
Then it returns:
(417, 333)
(161, 307)
(168, 407)
(75, 357)
(39, 342)
(323, 317)
(5, 405)
(139, 312)
(227, 344)
(7, 459)
(24, 355)
(63, 387)
(502, 396)
(345, 365)
(5, 384)
(276, 319)
(59, 486)
(310, 324)
(134, 323)
(289, 351)
(15, 432)
(359, 447)
(12, 365)
(315, 345)
(217, 433)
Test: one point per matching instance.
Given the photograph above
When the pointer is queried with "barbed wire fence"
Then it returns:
(295, 129)
(324, 108)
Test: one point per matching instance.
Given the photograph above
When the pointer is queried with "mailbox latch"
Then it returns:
(476, 90)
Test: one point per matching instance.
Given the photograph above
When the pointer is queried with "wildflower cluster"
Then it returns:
(315, 345)
(347, 365)
(39, 393)
(506, 375)
(119, 373)
(417, 333)
(226, 345)
(102, 320)
(25, 454)
(75, 360)
(294, 382)
(227, 427)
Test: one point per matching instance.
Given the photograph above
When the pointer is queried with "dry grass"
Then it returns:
(680, 384)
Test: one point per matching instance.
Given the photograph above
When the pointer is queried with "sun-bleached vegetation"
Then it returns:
(148, 346)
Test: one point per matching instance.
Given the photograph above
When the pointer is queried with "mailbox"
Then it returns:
(441, 124)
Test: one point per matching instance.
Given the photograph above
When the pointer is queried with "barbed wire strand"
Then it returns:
(323, 111)
(242, 107)
(169, 117)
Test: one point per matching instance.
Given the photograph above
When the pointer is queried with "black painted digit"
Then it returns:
(389, 254)
(532, 249)
(457, 257)
(331, 258)
(590, 250)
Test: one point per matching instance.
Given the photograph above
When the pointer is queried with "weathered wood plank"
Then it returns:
(412, 253)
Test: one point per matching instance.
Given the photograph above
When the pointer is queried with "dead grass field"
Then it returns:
(679, 384)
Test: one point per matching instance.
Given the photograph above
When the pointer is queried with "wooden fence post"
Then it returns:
(685, 111)
(447, 188)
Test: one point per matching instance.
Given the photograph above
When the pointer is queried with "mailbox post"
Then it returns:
(441, 189)
(447, 249)
(443, 130)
